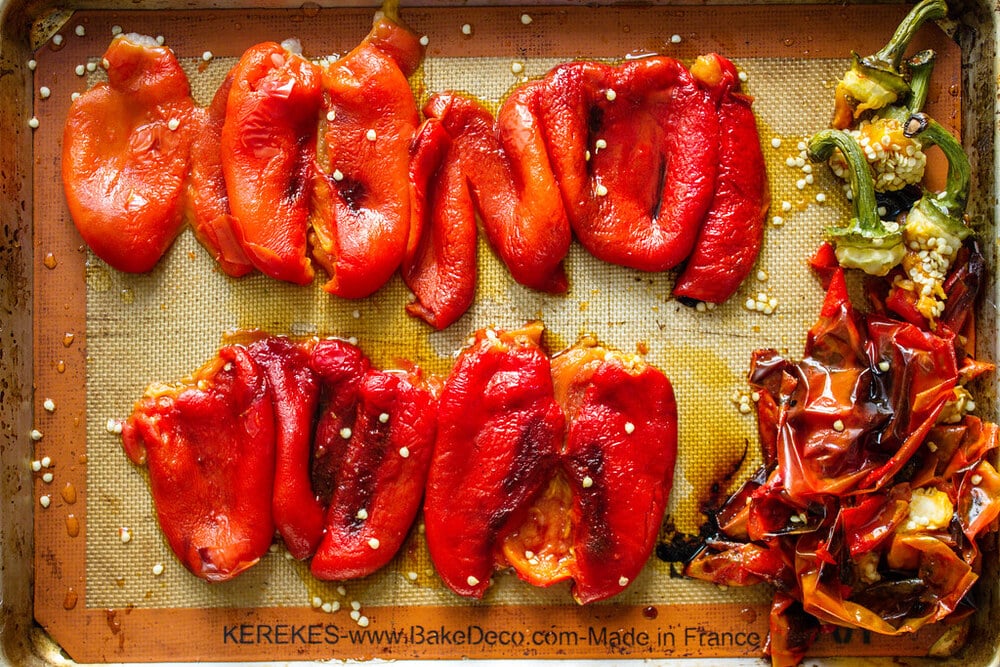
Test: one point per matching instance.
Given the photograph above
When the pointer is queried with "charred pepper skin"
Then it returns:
(268, 145)
(361, 207)
(209, 445)
(297, 511)
(499, 431)
(634, 149)
(382, 477)
(732, 232)
(207, 197)
(439, 266)
(125, 155)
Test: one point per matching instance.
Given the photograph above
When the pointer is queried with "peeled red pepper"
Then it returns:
(733, 230)
(340, 367)
(499, 433)
(465, 162)
(361, 207)
(208, 199)
(439, 266)
(125, 155)
(298, 513)
(598, 521)
(208, 443)
(634, 149)
(268, 150)
(381, 479)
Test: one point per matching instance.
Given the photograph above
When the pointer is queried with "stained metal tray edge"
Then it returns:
(22, 22)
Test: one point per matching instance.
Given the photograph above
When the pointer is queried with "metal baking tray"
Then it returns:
(26, 26)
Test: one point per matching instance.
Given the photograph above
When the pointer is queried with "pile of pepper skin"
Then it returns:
(557, 467)
(878, 486)
(648, 164)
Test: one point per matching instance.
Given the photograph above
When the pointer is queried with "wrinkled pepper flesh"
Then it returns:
(361, 206)
(125, 155)
(209, 445)
(732, 232)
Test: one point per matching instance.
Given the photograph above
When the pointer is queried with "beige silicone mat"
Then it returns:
(130, 330)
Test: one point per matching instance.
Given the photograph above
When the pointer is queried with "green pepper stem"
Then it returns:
(821, 147)
(956, 193)
(926, 10)
(920, 66)
(390, 10)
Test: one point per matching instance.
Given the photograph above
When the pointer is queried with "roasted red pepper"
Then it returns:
(125, 155)
(268, 150)
(208, 199)
(440, 262)
(209, 444)
(380, 482)
(634, 148)
(298, 513)
(600, 520)
(733, 230)
(465, 162)
(361, 211)
(499, 434)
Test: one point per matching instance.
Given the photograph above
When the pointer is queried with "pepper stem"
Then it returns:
(920, 67)
(821, 147)
(956, 192)
(390, 10)
(926, 10)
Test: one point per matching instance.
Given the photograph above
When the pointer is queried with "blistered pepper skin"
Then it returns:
(209, 446)
(634, 149)
(207, 197)
(499, 430)
(733, 230)
(298, 512)
(439, 266)
(381, 479)
(268, 151)
(125, 155)
(361, 208)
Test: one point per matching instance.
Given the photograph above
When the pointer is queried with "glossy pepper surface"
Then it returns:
(125, 155)
(380, 482)
(439, 265)
(294, 389)
(207, 196)
(599, 518)
(361, 205)
(499, 434)
(732, 232)
(209, 445)
(268, 145)
(634, 148)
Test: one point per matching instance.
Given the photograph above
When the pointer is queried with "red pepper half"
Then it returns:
(209, 444)
(380, 483)
(440, 262)
(298, 513)
(340, 367)
(499, 432)
(361, 213)
(733, 230)
(620, 452)
(125, 155)
(634, 149)
(599, 520)
(208, 199)
(268, 148)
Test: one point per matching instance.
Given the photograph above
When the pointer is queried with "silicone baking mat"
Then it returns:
(102, 336)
